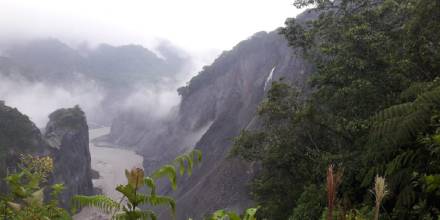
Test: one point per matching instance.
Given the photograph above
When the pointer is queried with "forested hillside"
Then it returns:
(374, 111)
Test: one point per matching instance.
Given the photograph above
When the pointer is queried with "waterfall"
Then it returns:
(269, 78)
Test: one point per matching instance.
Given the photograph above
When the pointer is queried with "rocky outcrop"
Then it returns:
(65, 140)
(216, 105)
(68, 135)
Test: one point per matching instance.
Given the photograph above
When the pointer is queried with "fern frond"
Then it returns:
(394, 111)
(198, 155)
(223, 215)
(148, 181)
(190, 159)
(168, 171)
(406, 197)
(402, 122)
(180, 160)
(158, 200)
(164, 200)
(120, 216)
(129, 192)
(430, 97)
(414, 90)
(250, 214)
(137, 214)
(103, 203)
(58, 214)
(190, 163)
(400, 161)
(148, 215)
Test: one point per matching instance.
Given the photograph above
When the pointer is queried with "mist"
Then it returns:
(196, 29)
(40, 76)
(37, 100)
(195, 25)
(116, 59)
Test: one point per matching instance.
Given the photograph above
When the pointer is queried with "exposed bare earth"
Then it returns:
(111, 164)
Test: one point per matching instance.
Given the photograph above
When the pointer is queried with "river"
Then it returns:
(110, 164)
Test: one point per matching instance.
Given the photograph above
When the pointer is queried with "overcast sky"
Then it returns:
(194, 25)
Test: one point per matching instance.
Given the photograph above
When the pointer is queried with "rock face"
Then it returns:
(227, 94)
(68, 135)
(66, 141)
(216, 104)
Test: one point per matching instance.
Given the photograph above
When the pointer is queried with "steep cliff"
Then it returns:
(227, 95)
(216, 104)
(66, 141)
(68, 135)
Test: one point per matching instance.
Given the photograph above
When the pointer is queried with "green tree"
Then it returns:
(289, 155)
(26, 198)
(373, 111)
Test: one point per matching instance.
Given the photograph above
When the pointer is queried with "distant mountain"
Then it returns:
(130, 65)
(45, 60)
(115, 71)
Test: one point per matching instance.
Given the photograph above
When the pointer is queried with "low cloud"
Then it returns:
(37, 99)
(156, 102)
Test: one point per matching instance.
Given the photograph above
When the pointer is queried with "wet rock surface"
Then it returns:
(68, 135)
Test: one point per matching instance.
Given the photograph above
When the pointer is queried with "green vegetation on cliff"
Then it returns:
(18, 135)
(374, 110)
(26, 200)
